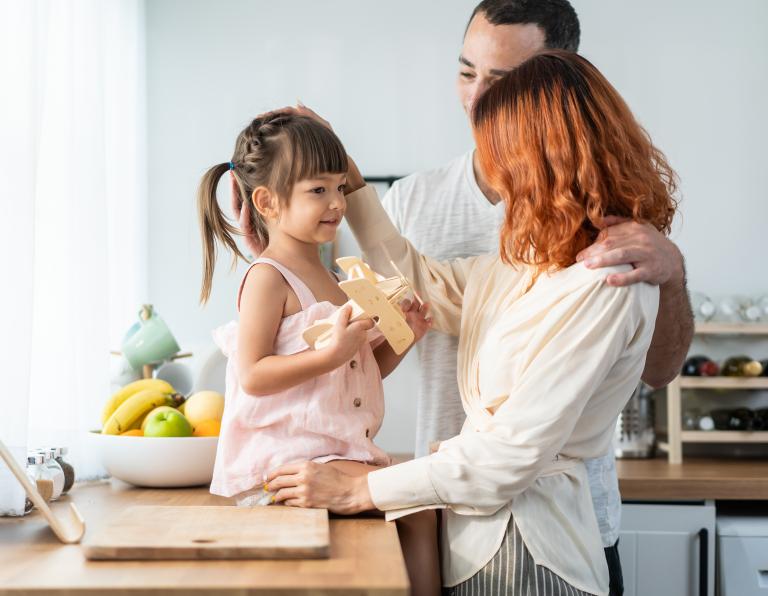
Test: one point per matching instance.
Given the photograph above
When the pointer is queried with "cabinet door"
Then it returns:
(660, 563)
(661, 549)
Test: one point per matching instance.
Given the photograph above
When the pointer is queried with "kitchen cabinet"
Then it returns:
(668, 549)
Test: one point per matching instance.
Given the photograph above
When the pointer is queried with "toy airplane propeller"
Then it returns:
(370, 296)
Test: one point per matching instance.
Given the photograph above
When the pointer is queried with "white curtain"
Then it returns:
(72, 217)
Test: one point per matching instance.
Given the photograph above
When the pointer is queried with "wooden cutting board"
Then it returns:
(212, 532)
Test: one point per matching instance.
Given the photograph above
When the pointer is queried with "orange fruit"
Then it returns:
(135, 432)
(207, 428)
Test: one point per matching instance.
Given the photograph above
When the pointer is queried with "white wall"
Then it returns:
(383, 73)
(695, 74)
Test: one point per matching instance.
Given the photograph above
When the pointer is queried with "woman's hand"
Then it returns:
(308, 484)
(355, 180)
(347, 338)
(416, 315)
(303, 110)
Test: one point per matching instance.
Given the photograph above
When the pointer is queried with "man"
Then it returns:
(451, 212)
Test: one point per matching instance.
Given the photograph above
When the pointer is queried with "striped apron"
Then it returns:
(513, 572)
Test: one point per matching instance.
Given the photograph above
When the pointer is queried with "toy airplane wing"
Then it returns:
(388, 318)
(356, 268)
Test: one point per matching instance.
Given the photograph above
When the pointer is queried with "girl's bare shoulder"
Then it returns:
(262, 281)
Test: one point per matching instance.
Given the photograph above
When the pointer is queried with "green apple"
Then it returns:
(150, 414)
(167, 423)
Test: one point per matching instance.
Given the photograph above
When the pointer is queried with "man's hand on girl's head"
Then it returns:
(655, 259)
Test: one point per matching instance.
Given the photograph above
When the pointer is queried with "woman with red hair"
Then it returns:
(549, 353)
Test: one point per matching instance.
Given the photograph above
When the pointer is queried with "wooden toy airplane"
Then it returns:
(370, 296)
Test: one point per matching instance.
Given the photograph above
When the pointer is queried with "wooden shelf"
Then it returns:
(676, 436)
(731, 329)
(724, 436)
(724, 382)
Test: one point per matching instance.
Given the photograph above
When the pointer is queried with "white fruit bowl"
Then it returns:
(157, 461)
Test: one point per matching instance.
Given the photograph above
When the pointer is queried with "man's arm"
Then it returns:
(656, 260)
(671, 337)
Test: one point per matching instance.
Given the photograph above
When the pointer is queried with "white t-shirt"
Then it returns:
(445, 215)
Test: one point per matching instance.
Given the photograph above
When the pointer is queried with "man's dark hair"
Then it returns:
(556, 18)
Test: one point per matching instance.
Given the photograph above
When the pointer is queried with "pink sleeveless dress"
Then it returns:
(333, 416)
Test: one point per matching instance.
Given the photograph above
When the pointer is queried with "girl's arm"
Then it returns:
(261, 310)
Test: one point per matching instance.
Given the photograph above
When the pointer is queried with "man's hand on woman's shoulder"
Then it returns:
(655, 259)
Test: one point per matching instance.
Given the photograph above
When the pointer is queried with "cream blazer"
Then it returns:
(543, 375)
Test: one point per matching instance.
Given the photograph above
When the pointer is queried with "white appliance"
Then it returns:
(742, 547)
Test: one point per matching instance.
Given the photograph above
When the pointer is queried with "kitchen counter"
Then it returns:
(365, 552)
(365, 556)
(694, 479)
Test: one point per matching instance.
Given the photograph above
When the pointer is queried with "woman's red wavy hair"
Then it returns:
(561, 147)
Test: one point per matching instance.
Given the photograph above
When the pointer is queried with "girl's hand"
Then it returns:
(347, 337)
(417, 317)
(308, 484)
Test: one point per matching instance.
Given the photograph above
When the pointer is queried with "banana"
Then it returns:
(137, 425)
(130, 389)
(133, 408)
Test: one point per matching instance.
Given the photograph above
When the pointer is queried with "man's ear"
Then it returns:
(265, 202)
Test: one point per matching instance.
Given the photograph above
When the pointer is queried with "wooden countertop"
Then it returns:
(656, 479)
(695, 479)
(365, 556)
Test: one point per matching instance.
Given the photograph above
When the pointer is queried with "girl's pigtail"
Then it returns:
(214, 226)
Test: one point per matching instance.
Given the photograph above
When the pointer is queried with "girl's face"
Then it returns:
(315, 209)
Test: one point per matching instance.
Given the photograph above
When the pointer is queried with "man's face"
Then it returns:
(489, 52)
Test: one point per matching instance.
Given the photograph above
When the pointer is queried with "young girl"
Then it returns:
(284, 401)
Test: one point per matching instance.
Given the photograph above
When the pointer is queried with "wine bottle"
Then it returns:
(736, 419)
(691, 419)
(764, 364)
(761, 419)
(760, 422)
(700, 366)
(741, 366)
